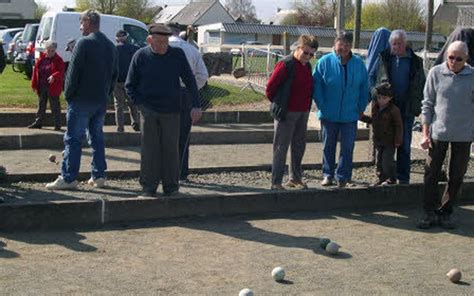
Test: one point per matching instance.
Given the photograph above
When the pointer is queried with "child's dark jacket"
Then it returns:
(386, 123)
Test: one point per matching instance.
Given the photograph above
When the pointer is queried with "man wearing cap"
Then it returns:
(200, 73)
(121, 100)
(341, 94)
(90, 81)
(153, 84)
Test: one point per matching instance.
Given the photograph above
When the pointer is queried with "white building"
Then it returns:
(17, 9)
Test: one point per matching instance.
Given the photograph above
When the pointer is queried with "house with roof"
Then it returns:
(454, 12)
(218, 37)
(17, 9)
(195, 13)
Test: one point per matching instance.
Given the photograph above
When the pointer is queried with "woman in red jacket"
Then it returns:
(47, 81)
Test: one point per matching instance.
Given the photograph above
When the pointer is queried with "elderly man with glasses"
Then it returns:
(153, 84)
(447, 120)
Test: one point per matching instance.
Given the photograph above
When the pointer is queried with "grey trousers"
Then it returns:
(291, 131)
(53, 103)
(159, 150)
(121, 101)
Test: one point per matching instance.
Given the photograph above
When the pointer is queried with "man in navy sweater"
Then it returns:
(90, 79)
(153, 84)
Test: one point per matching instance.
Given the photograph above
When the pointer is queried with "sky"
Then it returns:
(265, 8)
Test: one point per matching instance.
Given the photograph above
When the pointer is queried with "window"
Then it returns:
(214, 37)
(136, 35)
(44, 31)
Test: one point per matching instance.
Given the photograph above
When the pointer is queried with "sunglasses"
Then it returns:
(457, 59)
(308, 53)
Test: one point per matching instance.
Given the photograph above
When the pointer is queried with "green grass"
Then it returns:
(219, 94)
(16, 92)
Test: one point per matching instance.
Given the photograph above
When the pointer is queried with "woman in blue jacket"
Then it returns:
(341, 94)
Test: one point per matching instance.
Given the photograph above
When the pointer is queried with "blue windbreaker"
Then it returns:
(378, 43)
(337, 100)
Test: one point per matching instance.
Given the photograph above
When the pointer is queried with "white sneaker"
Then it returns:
(60, 184)
(97, 183)
(327, 181)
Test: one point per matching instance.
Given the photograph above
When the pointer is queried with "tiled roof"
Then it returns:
(328, 32)
(192, 12)
(168, 13)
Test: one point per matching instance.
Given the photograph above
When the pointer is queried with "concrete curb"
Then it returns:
(96, 213)
(115, 139)
(48, 177)
(23, 119)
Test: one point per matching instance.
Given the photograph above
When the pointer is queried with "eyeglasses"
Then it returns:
(308, 53)
(457, 59)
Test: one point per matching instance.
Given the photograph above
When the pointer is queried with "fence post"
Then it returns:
(286, 43)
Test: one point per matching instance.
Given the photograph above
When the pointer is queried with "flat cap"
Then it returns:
(159, 29)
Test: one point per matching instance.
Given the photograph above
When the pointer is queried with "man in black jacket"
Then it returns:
(125, 53)
(90, 79)
(2, 59)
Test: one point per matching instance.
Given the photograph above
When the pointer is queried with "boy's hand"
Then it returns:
(425, 143)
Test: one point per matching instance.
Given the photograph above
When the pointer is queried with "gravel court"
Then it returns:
(382, 254)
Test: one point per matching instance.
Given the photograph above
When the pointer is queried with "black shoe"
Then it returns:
(57, 128)
(35, 125)
(148, 194)
(445, 221)
(171, 193)
(136, 127)
(429, 220)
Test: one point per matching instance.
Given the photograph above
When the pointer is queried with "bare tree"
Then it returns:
(243, 9)
(319, 12)
(41, 8)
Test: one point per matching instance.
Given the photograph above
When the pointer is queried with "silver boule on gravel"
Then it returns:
(323, 242)
(454, 275)
(246, 292)
(52, 158)
(278, 273)
(333, 248)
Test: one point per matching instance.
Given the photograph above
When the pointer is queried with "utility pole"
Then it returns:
(358, 8)
(429, 26)
(340, 16)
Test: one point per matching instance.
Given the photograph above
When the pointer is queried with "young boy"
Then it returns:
(387, 126)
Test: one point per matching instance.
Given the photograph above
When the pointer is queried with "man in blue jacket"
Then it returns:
(90, 80)
(153, 84)
(341, 94)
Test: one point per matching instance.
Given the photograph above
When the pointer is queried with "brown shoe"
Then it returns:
(277, 187)
(296, 184)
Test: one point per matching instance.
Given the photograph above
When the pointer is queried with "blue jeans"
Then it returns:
(404, 151)
(82, 118)
(330, 132)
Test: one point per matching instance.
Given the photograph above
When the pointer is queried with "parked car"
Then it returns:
(25, 58)
(13, 46)
(63, 27)
(7, 35)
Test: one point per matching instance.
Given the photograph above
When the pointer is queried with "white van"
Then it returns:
(62, 27)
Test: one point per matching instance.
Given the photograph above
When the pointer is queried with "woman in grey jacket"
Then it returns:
(447, 119)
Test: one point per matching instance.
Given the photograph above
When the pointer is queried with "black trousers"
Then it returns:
(460, 153)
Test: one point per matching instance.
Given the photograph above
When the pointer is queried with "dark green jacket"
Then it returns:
(417, 81)
(93, 70)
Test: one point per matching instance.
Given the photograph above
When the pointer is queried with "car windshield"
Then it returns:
(136, 35)
(30, 33)
(44, 30)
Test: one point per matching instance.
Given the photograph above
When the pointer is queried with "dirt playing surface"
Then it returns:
(382, 253)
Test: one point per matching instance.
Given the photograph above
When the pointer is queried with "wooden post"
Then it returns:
(357, 13)
(340, 16)
(286, 43)
(429, 27)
